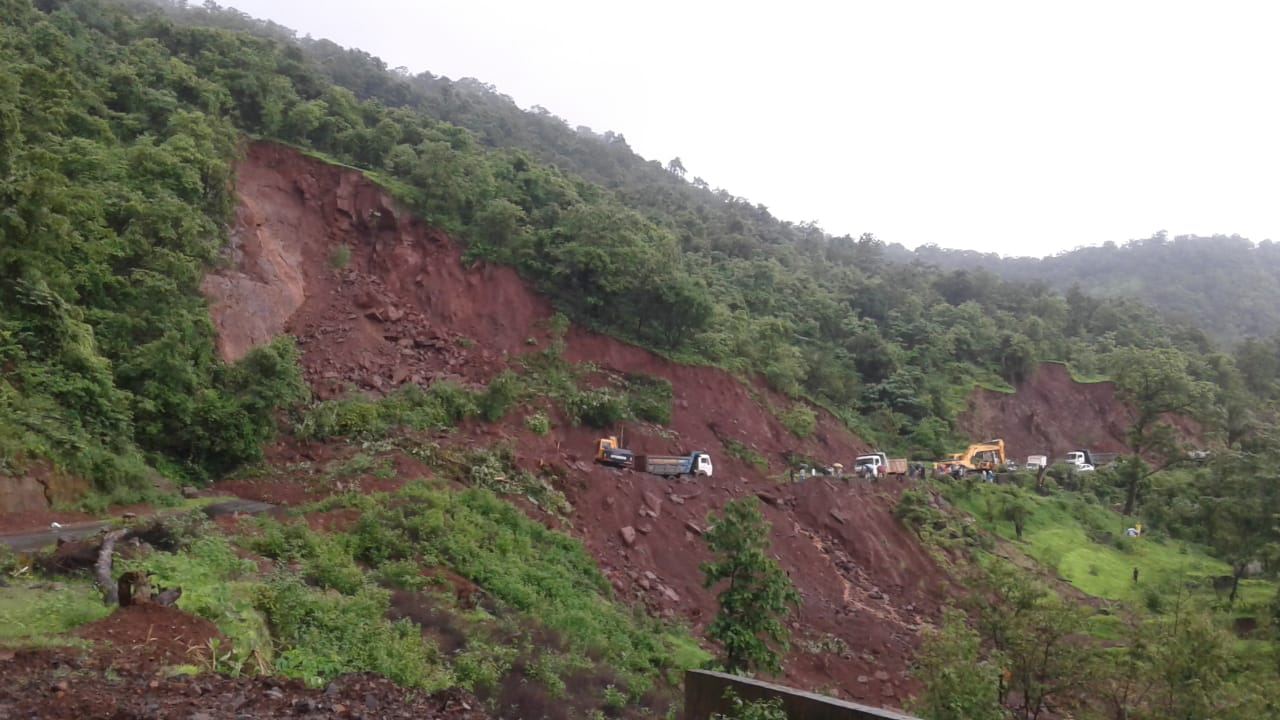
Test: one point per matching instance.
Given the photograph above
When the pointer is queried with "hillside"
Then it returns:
(1227, 286)
(866, 580)
(401, 311)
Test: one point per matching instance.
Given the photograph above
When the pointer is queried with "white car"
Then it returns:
(1084, 467)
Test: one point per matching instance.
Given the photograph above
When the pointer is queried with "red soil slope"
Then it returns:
(405, 310)
(1052, 414)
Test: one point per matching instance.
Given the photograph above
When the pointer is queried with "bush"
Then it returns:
(600, 408)
(444, 405)
(322, 636)
(537, 423)
(649, 398)
(340, 256)
(913, 508)
(503, 392)
(799, 419)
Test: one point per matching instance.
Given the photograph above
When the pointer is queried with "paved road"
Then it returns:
(26, 542)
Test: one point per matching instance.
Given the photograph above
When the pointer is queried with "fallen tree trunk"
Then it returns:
(102, 569)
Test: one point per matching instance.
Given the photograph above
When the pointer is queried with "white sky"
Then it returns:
(1019, 127)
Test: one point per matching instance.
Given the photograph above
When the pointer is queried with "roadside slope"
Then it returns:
(403, 309)
(1051, 414)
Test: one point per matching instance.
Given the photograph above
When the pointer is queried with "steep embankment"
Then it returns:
(1051, 414)
(404, 309)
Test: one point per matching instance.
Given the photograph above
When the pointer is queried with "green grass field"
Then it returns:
(1086, 544)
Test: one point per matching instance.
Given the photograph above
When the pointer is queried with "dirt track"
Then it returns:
(28, 541)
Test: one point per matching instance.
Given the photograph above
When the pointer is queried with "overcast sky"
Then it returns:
(1014, 127)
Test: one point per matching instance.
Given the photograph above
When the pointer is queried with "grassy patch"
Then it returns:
(745, 453)
(217, 585)
(37, 616)
(799, 419)
(524, 567)
(1086, 544)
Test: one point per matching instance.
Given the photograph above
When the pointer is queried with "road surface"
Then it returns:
(27, 542)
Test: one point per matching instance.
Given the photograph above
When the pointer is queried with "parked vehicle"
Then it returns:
(608, 453)
(1083, 458)
(1037, 462)
(695, 463)
(878, 465)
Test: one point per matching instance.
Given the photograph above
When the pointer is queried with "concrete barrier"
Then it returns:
(704, 695)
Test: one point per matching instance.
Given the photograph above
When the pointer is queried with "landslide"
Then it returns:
(1051, 414)
(404, 309)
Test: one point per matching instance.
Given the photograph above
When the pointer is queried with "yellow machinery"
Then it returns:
(608, 453)
(987, 455)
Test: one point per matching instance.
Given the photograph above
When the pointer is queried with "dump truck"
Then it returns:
(695, 463)
(1083, 458)
(878, 465)
(608, 453)
(1037, 462)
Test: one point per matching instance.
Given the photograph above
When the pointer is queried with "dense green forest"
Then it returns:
(120, 127)
(1228, 286)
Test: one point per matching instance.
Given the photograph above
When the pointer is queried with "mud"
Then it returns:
(68, 684)
(1052, 414)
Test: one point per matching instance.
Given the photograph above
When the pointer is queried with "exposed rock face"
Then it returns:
(1052, 414)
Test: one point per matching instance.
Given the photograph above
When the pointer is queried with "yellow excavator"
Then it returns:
(608, 453)
(987, 455)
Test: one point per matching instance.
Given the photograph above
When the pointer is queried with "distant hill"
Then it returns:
(1227, 286)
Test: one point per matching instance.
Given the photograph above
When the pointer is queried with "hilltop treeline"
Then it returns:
(1228, 286)
(119, 130)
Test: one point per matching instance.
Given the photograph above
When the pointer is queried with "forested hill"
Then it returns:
(119, 126)
(1228, 286)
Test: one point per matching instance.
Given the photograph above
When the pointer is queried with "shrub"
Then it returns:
(537, 423)
(799, 419)
(323, 636)
(649, 397)
(503, 392)
(340, 256)
(599, 408)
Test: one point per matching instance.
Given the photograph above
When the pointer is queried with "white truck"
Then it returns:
(1080, 458)
(878, 465)
(1037, 462)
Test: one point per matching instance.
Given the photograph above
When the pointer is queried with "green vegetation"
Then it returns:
(519, 565)
(117, 195)
(1226, 285)
(1086, 544)
(959, 683)
(745, 453)
(340, 257)
(36, 616)
(759, 594)
(431, 586)
(740, 709)
(799, 419)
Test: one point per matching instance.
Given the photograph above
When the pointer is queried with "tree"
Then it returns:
(1034, 631)
(958, 683)
(1240, 500)
(676, 167)
(1153, 383)
(758, 595)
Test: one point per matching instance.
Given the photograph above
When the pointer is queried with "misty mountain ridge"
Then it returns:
(1228, 286)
